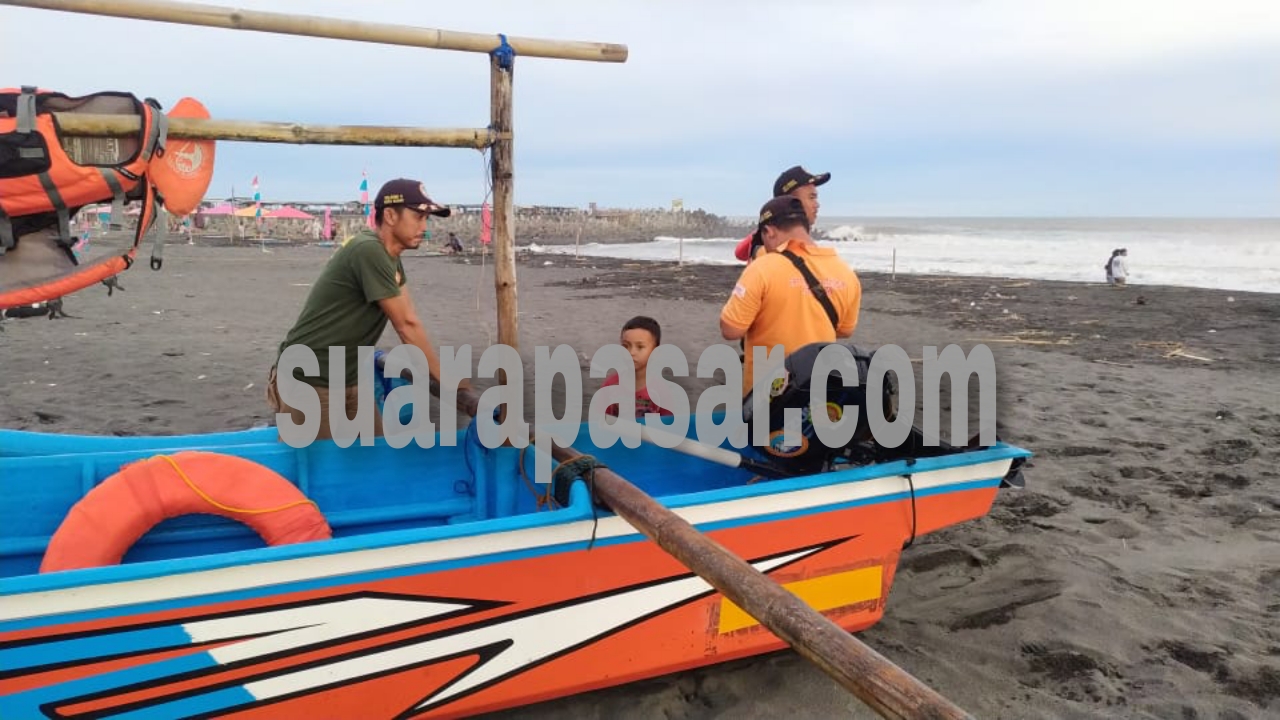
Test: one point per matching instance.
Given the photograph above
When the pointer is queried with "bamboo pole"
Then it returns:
(504, 214)
(84, 124)
(333, 28)
(873, 678)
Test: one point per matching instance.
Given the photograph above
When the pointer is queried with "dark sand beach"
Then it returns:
(1136, 575)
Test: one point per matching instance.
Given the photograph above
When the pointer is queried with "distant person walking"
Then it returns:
(1118, 267)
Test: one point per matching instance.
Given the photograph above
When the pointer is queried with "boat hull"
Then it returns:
(466, 618)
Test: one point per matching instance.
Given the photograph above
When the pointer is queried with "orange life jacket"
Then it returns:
(47, 176)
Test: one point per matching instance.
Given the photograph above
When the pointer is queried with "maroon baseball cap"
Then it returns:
(409, 193)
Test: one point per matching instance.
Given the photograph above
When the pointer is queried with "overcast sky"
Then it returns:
(1080, 108)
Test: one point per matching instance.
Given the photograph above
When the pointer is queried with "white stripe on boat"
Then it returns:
(265, 574)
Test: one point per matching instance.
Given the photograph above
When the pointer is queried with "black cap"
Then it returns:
(795, 177)
(409, 193)
(782, 207)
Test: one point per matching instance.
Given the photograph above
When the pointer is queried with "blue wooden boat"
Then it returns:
(448, 587)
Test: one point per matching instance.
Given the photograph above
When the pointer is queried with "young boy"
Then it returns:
(639, 336)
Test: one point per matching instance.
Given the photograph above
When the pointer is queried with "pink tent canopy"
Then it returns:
(288, 213)
(223, 209)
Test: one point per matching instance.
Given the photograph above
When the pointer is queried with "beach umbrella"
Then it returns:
(288, 213)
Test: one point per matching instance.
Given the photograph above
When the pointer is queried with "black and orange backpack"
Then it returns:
(47, 175)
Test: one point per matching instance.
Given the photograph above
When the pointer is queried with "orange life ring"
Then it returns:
(102, 527)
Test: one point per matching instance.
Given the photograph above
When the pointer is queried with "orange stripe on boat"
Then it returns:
(821, 593)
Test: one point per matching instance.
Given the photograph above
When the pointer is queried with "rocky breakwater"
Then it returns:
(553, 227)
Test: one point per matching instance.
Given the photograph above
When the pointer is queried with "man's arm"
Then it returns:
(739, 313)
(404, 318)
(730, 332)
(851, 305)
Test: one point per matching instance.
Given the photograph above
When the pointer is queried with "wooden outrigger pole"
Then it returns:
(875, 680)
(332, 28)
(86, 124)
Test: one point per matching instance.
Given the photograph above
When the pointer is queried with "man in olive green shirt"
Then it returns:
(359, 291)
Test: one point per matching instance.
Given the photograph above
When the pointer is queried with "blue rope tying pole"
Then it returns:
(504, 53)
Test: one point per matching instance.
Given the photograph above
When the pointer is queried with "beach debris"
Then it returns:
(547, 263)
(249, 386)
(1173, 349)
(1213, 331)
(1072, 297)
(1230, 299)
(201, 377)
(1142, 300)
(1021, 341)
(173, 353)
(1109, 362)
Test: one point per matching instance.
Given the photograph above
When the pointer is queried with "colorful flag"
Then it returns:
(364, 198)
(257, 199)
(486, 224)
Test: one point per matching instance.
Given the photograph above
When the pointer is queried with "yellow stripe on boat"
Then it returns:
(821, 593)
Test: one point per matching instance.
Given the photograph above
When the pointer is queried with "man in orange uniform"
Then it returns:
(798, 294)
(793, 181)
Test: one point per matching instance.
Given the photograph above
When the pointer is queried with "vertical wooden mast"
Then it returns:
(501, 69)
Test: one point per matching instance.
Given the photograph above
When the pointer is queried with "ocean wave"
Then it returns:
(846, 233)
(1215, 257)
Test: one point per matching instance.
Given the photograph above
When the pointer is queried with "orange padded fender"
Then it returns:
(184, 169)
(101, 528)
